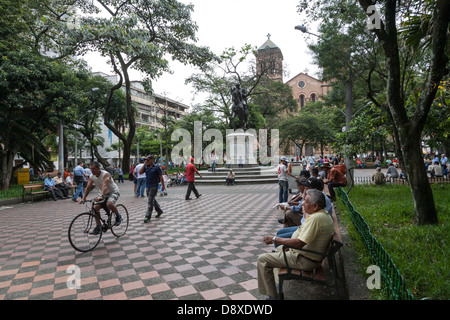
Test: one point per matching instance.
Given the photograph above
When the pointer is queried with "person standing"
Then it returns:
(78, 178)
(153, 176)
(444, 161)
(283, 183)
(191, 170)
(213, 161)
(120, 173)
(140, 188)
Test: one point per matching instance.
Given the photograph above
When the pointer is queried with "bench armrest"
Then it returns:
(284, 247)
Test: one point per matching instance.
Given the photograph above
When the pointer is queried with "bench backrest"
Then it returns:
(33, 186)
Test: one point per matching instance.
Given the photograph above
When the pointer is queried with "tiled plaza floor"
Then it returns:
(202, 249)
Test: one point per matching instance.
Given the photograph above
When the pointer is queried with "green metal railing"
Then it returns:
(393, 282)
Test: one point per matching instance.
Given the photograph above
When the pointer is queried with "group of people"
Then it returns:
(437, 167)
(307, 221)
(308, 225)
(331, 175)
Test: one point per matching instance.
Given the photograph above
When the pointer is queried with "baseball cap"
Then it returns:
(284, 158)
(313, 183)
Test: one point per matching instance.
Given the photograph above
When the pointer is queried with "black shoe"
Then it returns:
(95, 231)
(146, 219)
(199, 196)
(159, 214)
(119, 220)
(281, 221)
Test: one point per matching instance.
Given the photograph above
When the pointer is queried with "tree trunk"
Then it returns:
(409, 129)
(127, 141)
(424, 206)
(7, 163)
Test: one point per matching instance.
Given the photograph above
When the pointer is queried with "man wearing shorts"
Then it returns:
(108, 189)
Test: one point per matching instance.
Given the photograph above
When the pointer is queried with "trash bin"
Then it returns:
(23, 176)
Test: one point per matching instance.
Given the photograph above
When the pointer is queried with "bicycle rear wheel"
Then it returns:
(79, 233)
(120, 230)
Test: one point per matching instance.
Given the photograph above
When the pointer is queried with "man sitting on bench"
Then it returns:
(50, 186)
(314, 234)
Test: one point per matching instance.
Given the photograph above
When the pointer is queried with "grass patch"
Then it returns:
(14, 191)
(420, 252)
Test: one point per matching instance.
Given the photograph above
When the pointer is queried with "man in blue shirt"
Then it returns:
(78, 178)
(50, 186)
(154, 176)
(444, 161)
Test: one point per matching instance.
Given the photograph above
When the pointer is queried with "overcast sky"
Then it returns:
(233, 23)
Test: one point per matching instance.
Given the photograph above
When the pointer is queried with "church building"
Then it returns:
(304, 87)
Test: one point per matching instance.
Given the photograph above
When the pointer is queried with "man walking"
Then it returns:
(153, 175)
(191, 170)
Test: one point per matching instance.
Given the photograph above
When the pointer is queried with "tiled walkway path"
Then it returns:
(206, 248)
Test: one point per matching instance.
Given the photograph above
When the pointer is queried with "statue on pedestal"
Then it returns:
(240, 107)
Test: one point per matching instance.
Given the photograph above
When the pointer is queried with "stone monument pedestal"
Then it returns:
(241, 149)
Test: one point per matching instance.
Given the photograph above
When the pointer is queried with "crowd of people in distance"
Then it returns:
(435, 168)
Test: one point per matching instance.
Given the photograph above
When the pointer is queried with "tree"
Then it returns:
(138, 34)
(313, 124)
(34, 97)
(409, 76)
(410, 120)
(266, 98)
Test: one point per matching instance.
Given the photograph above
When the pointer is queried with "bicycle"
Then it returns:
(80, 233)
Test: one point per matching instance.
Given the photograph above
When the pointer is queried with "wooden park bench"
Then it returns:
(32, 190)
(330, 272)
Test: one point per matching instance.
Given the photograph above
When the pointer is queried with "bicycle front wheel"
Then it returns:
(81, 235)
(120, 229)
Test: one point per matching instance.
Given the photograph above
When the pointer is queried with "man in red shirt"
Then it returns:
(335, 178)
(191, 170)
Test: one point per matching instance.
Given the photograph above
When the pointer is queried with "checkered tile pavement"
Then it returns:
(203, 249)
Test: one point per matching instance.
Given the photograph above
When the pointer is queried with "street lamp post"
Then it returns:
(348, 103)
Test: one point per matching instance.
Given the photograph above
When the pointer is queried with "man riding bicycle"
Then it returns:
(108, 190)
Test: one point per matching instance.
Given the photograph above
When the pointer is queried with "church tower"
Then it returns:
(269, 60)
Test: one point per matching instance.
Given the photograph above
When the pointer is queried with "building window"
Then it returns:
(301, 84)
(302, 100)
(313, 97)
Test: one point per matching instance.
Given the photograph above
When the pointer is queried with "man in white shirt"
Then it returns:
(141, 178)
